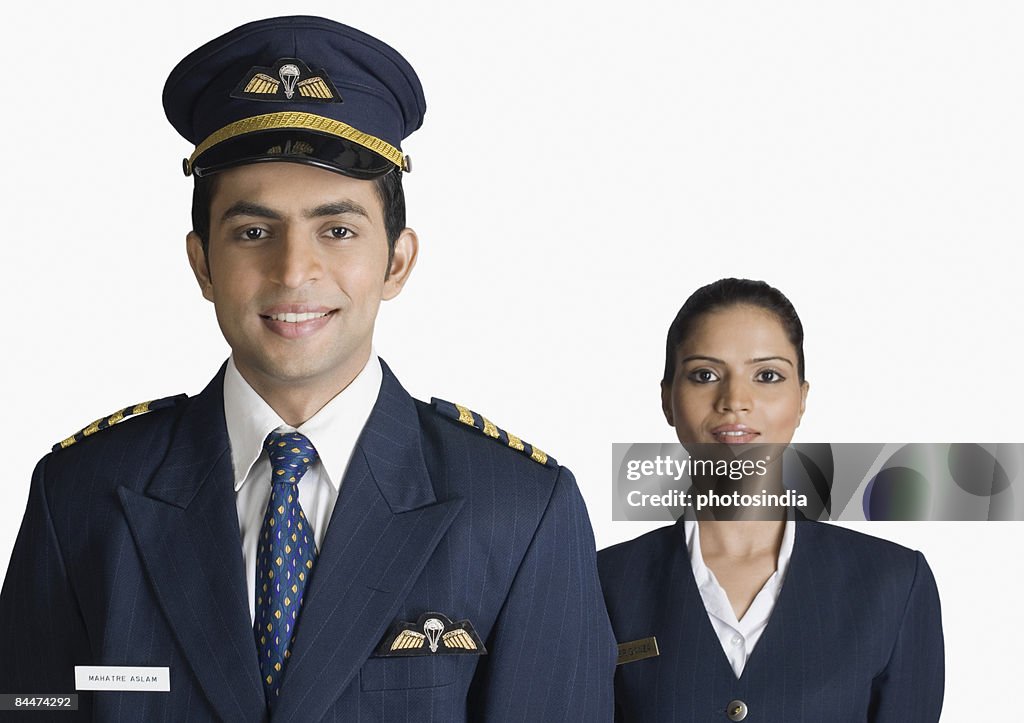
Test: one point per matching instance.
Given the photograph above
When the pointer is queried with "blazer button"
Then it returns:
(736, 710)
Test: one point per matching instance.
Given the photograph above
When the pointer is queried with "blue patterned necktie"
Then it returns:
(285, 558)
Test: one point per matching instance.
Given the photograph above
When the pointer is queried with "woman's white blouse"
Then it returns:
(737, 637)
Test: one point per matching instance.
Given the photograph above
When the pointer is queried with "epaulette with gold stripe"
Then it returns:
(479, 421)
(119, 416)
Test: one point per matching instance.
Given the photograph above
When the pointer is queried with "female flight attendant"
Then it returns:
(778, 618)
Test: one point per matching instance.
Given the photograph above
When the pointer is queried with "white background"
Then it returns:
(581, 170)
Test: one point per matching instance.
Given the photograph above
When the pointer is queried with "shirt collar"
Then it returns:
(333, 430)
(703, 575)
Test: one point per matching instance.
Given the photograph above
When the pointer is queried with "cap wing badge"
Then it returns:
(432, 633)
(281, 82)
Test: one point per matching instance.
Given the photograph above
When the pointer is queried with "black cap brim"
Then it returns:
(295, 146)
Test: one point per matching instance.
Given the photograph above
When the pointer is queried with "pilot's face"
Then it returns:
(297, 268)
(735, 380)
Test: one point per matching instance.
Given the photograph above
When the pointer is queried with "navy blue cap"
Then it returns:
(301, 89)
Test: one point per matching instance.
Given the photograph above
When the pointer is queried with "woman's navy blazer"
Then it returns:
(856, 634)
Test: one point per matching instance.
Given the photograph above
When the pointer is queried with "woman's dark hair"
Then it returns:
(730, 292)
(389, 189)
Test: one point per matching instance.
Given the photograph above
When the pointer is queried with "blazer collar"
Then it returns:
(390, 442)
(186, 531)
(385, 525)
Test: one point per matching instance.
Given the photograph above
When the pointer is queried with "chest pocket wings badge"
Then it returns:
(431, 634)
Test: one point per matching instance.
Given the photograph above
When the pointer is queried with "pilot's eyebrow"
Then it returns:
(247, 208)
(338, 208)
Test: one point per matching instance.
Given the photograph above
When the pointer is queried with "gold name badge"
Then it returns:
(637, 650)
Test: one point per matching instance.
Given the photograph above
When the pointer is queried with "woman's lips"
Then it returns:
(735, 434)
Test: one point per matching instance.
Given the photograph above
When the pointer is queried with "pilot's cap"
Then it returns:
(301, 89)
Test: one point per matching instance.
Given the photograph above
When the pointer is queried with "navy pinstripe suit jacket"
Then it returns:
(129, 554)
(855, 634)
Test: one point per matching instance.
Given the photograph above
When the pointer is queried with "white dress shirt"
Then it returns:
(737, 637)
(333, 431)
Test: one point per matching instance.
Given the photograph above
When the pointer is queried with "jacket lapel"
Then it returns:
(186, 529)
(788, 628)
(693, 627)
(385, 526)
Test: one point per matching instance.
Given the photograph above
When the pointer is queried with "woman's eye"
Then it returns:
(703, 376)
(770, 376)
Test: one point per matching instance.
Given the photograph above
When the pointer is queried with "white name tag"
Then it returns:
(122, 677)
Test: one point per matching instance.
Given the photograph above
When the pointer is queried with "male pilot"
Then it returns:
(303, 541)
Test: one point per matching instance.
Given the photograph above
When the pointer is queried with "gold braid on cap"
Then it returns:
(298, 121)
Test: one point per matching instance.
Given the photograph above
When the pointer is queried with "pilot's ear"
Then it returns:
(200, 263)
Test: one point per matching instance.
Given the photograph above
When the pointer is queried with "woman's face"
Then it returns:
(735, 380)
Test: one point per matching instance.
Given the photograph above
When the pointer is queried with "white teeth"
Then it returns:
(294, 318)
(733, 434)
